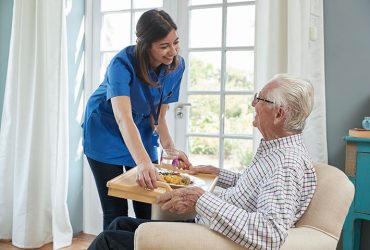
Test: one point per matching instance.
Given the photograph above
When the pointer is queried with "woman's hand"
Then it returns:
(184, 162)
(204, 169)
(147, 175)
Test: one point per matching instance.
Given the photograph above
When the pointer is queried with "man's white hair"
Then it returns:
(296, 96)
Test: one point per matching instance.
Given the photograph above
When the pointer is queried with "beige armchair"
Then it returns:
(319, 228)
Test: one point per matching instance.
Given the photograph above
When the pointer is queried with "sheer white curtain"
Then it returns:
(34, 129)
(290, 38)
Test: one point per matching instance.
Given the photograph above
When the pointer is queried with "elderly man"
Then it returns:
(257, 207)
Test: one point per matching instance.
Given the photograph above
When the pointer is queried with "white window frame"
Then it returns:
(183, 28)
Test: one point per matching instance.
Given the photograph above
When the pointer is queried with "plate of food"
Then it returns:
(175, 179)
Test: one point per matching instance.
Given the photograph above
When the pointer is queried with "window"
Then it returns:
(117, 26)
(217, 42)
(220, 84)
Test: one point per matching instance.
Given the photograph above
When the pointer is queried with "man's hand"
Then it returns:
(204, 169)
(147, 175)
(182, 200)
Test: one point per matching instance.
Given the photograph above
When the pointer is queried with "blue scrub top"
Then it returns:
(102, 140)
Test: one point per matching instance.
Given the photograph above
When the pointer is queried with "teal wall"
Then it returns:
(75, 45)
(6, 7)
(347, 70)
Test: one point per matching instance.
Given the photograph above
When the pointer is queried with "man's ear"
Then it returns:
(280, 116)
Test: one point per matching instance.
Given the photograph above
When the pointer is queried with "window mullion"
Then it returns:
(182, 19)
(132, 28)
(223, 82)
(95, 42)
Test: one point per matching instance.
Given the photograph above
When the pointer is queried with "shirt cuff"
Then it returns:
(208, 205)
(226, 178)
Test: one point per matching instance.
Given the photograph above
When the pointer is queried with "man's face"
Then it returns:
(265, 114)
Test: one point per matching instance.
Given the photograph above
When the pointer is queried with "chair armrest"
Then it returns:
(179, 235)
(307, 238)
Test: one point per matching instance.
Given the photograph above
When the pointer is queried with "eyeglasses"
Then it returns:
(256, 99)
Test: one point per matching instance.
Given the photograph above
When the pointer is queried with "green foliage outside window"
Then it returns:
(237, 80)
(205, 110)
(204, 146)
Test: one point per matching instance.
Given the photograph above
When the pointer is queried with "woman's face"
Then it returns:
(164, 50)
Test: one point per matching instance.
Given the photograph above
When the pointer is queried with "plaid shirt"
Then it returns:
(257, 207)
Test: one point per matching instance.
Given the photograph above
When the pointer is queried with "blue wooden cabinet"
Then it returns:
(358, 170)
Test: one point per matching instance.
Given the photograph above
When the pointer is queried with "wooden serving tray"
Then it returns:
(205, 181)
(125, 186)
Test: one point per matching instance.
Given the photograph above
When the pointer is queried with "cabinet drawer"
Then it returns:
(362, 196)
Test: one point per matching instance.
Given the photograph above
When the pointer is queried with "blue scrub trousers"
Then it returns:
(114, 207)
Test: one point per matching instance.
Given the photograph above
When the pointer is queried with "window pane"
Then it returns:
(238, 153)
(106, 57)
(205, 70)
(111, 5)
(240, 70)
(238, 114)
(240, 26)
(115, 33)
(204, 150)
(204, 114)
(145, 4)
(205, 28)
(200, 2)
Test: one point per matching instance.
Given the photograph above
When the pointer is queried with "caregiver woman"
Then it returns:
(126, 114)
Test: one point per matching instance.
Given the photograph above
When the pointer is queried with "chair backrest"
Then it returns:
(331, 201)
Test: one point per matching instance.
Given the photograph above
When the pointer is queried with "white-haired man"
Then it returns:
(258, 206)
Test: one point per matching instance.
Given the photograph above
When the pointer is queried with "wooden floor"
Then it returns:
(79, 242)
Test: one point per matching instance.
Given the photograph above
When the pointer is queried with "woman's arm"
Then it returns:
(146, 172)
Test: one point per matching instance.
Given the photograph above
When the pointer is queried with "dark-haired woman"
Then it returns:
(125, 116)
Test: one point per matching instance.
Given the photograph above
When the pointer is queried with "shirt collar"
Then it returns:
(161, 74)
(283, 142)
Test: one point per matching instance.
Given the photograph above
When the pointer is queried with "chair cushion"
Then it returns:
(331, 201)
